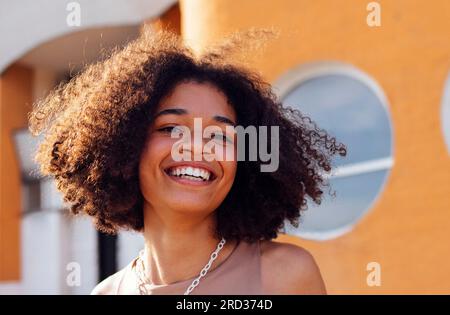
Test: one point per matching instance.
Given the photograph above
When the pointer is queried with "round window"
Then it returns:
(351, 107)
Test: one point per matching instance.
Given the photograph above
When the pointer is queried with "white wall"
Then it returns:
(51, 240)
(25, 24)
(129, 245)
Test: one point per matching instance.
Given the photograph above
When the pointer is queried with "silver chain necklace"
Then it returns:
(143, 281)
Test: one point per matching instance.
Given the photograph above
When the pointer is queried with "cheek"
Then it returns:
(229, 171)
(230, 163)
(155, 150)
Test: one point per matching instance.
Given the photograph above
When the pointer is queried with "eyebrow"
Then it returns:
(181, 111)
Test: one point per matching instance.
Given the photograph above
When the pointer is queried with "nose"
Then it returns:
(196, 148)
(192, 148)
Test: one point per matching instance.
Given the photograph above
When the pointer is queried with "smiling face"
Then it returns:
(198, 184)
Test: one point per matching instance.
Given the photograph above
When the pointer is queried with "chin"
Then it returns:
(190, 207)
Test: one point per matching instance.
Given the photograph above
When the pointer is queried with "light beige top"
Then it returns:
(239, 273)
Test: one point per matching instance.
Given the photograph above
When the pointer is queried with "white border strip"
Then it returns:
(445, 113)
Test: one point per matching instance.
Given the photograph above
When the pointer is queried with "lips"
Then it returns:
(188, 173)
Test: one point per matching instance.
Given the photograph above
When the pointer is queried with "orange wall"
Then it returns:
(408, 229)
(15, 101)
(170, 20)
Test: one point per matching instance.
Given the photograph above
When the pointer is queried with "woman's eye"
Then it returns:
(169, 129)
(220, 137)
(166, 129)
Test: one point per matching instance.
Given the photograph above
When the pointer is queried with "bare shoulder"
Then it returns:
(289, 269)
(109, 285)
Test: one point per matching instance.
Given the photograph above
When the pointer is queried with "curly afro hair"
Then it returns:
(95, 127)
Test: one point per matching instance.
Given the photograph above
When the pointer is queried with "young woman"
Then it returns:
(208, 222)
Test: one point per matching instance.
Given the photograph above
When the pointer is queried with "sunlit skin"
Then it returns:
(179, 216)
(166, 194)
(179, 213)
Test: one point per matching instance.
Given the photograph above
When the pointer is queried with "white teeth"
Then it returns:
(197, 179)
(192, 173)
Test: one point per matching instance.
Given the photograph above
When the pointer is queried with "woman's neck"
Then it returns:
(178, 246)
